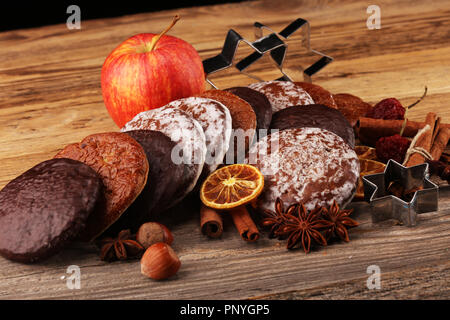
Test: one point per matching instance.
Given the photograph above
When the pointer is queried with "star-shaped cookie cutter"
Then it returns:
(385, 206)
(274, 43)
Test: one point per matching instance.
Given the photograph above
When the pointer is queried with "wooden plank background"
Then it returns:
(50, 95)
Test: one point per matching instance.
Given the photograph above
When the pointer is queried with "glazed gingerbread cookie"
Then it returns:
(312, 166)
(188, 135)
(122, 165)
(162, 184)
(243, 122)
(259, 103)
(45, 207)
(352, 107)
(216, 122)
(316, 116)
(318, 94)
(283, 94)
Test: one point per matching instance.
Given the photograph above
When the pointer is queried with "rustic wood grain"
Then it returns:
(399, 285)
(50, 95)
(228, 268)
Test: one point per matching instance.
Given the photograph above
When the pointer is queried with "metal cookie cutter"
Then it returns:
(274, 43)
(385, 206)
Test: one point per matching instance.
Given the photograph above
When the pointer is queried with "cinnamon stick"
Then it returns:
(244, 224)
(445, 157)
(437, 126)
(424, 141)
(370, 130)
(211, 222)
(440, 143)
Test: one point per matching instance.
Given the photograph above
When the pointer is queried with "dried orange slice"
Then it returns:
(364, 152)
(367, 167)
(232, 186)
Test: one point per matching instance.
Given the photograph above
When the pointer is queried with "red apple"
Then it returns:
(148, 71)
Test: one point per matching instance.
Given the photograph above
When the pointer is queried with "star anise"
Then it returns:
(275, 220)
(122, 248)
(340, 222)
(304, 227)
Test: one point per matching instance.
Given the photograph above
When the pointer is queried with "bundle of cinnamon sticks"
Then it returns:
(370, 130)
(434, 140)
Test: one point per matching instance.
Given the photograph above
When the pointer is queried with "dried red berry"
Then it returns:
(387, 109)
(393, 147)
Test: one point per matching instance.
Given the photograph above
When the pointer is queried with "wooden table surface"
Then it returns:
(50, 96)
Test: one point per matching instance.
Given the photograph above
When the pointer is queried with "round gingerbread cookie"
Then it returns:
(123, 167)
(216, 122)
(312, 166)
(45, 207)
(316, 116)
(188, 135)
(259, 103)
(318, 94)
(162, 183)
(352, 107)
(283, 94)
(243, 122)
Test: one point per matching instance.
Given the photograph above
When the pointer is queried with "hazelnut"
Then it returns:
(153, 232)
(160, 262)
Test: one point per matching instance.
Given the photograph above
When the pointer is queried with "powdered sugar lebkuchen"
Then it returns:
(182, 129)
(312, 166)
(215, 120)
(283, 94)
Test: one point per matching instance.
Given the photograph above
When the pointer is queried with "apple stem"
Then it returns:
(156, 39)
